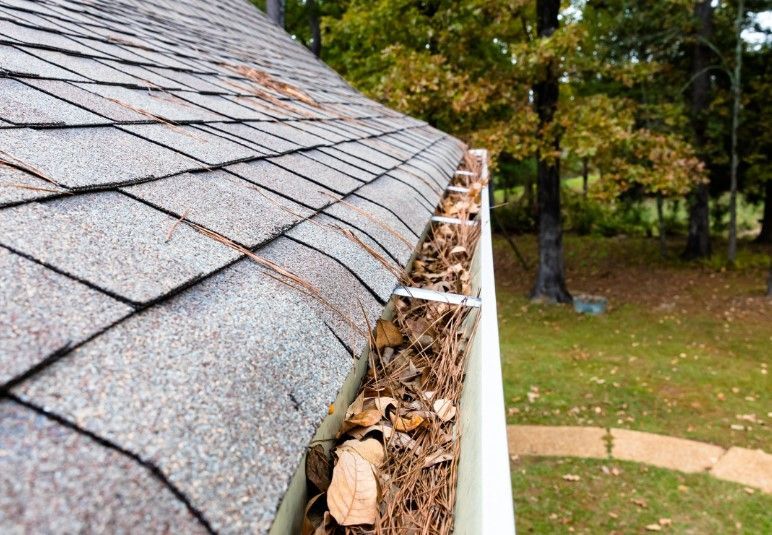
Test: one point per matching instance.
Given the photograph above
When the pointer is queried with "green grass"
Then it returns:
(691, 365)
(684, 350)
(627, 497)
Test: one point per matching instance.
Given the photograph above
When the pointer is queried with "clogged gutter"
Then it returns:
(394, 464)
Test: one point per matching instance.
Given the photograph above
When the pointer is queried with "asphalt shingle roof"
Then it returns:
(153, 376)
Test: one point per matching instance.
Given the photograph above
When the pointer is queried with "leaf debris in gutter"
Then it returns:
(394, 466)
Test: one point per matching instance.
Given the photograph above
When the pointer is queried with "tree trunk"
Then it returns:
(585, 171)
(275, 11)
(698, 240)
(316, 30)
(736, 88)
(550, 283)
(661, 222)
(765, 236)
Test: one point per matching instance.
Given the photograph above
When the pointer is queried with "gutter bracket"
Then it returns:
(440, 297)
(454, 220)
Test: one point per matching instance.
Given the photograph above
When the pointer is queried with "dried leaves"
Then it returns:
(398, 445)
(387, 334)
(353, 493)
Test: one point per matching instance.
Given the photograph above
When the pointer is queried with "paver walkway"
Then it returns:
(752, 468)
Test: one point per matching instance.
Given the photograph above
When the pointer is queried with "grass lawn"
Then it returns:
(619, 497)
(684, 350)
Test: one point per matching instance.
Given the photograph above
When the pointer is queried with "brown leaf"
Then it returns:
(406, 424)
(311, 517)
(318, 467)
(353, 493)
(383, 404)
(458, 249)
(387, 334)
(369, 449)
(327, 527)
(365, 418)
(360, 432)
(356, 406)
(438, 456)
(444, 409)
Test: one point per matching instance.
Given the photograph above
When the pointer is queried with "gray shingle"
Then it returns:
(419, 181)
(224, 203)
(368, 154)
(86, 99)
(223, 106)
(113, 242)
(84, 157)
(402, 200)
(15, 61)
(290, 185)
(25, 34)
(317, 172)
(198, 82)
(343, 167)
(91, 68)
(346, 298)
(153, 103)
(317, 128)
(205, 391)
(285, 131)
(21, 104)
(391, 233)
(44, 311)
(321, 234)
(254, 136)
(16, 186)
(353, 160)
(56, 480)
(193, 142)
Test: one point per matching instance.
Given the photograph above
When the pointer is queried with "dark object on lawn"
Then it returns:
(590, 304)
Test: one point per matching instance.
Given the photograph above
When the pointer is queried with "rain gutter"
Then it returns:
(484, 495)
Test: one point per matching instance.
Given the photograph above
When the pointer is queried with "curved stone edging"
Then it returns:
(748, 467)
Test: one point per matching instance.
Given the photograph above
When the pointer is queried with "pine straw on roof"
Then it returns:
(404, 424)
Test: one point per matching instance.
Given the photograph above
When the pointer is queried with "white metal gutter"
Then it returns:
(484, 494)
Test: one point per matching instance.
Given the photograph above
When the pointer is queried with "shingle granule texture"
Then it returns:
(55, 480)
(156, 158)
(205, 398)
(44, 311)
(115, 242)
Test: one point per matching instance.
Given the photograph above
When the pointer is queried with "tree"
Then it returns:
(698, 239)
(315, 26)
(275, 11)
(736, 88)
(550, 282)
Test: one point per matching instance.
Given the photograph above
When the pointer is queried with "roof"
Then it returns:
(152, 373)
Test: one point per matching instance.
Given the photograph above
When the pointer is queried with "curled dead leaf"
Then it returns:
(383, 404)
(365, 418)
(369, 449)
(387, 334)
(458, 249)
(318, 467)
(360, 432)
(408, 423)
(312, 518)
(353, 493)
(356, 406)
(439, 456)
(444, 409)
